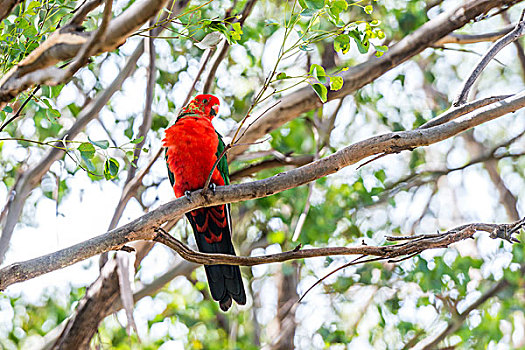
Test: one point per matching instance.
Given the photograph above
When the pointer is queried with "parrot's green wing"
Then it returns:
(170, 174)
(223, 163)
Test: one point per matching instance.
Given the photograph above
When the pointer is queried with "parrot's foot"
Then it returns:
(187, 194)
(212, 187)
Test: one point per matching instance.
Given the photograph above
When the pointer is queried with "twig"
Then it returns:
(90, 47)
(498, 45)
(232, 143)
(221, 53)
(517, 44)
(204, 62)
(83, 10)
(257, 119)
(418, 243)
(455, 38)
(353, 262)
(304, 214)
(277, 160)
(457, 321)
(456, 112)
(17, 114)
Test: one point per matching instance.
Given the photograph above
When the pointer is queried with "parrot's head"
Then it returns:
(208, 104)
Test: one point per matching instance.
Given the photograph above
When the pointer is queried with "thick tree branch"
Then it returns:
(66, 43)
(6, 6)
(82, 11)
(142, 228)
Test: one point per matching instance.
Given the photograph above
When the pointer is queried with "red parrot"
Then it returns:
(192, 148)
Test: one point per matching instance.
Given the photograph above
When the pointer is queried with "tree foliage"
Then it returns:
(272, 49)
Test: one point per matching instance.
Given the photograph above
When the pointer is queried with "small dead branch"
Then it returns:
(413, 245)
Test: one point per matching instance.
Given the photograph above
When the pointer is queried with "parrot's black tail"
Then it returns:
(212, 230)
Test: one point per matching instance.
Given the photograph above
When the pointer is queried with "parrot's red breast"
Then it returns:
(191, 151)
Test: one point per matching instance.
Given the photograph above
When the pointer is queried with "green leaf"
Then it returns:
(276, 237)
(159, 121)
(87, 150)
(305, 48)
(104, 144)
(32, 5)
(336, 83)
(111, 167)
(8, 109)
(303, 4)
(53, 113)
(318, 72)
(380, 175)
(139, 140)
(315, 4)
(340, 5)
(342, 43)
(237, 31)
(321, 91)
(308, 13)
(362, 44)
(47, 103)
(369, 9)
(381, 49)
(336, 8)
(209, 41)
(89, 165)
(281, 76)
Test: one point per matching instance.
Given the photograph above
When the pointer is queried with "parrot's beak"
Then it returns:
(214, 110)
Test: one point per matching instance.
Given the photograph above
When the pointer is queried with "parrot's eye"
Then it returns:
(205, 101)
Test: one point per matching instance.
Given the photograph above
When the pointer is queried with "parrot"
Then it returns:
(192, 147)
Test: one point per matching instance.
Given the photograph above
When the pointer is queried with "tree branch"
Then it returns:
(456, 112)
(141, 228)
(455, 38)
(305, 99)
(221, 53)
(31, 177)
(278, 160)
(6, 6)
(457, 321)
(66, 43)
(512, 36)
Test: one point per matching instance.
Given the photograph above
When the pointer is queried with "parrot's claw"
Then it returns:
(212, 187)
(187, 194)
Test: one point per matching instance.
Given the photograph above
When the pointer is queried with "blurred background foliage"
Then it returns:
(376, 305)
